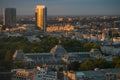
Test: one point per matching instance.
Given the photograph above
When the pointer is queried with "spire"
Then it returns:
(59, 42)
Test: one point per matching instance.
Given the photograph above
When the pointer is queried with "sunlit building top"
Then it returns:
(40, 6)
(41, 17)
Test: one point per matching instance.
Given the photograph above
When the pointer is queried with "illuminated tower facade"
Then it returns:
(9, 17)
(41, 17)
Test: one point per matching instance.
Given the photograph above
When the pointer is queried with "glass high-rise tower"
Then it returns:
(9, 17)
(41, 16)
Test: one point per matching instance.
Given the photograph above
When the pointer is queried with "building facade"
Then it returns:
(41, 16)
(56, 59)
(9, 17)
(100, 74)
(33, 74)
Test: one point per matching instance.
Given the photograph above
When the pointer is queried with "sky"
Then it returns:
(64, 7)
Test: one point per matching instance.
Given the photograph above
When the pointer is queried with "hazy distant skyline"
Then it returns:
(64, 7)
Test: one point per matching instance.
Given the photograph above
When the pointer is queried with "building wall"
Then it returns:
(41, 16)
(111, 50)
(9, 17)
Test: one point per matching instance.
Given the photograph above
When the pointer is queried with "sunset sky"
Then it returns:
(64, 7)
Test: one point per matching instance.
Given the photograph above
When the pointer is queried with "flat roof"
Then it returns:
(40, 6)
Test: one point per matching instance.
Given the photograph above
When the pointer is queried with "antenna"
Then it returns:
(40, 1)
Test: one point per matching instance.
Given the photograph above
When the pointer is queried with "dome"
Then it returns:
(58, 50)
(18, 55)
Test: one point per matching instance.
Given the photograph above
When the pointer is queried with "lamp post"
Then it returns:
(65, 59)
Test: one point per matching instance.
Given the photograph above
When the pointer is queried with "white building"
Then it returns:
(104, 74)
(111, 49)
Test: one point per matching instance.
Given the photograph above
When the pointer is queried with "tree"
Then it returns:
(8, 56)
(117, 66)
(74, 66)
(87, 65)
(116, 61)
(101, 63)
(18, 64)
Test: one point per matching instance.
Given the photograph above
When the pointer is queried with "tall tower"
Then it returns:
(41, 17)
(9, 17)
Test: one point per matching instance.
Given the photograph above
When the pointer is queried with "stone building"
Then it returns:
(56, 59)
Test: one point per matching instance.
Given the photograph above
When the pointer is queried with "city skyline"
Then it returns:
(64, 7)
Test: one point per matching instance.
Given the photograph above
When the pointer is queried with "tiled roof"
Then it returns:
(58, 50)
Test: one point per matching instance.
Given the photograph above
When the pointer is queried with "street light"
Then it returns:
(65, 59)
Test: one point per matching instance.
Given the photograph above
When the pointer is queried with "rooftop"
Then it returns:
(58, 50)
(40, 6)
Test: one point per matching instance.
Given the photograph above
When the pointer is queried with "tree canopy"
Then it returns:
(8, 45)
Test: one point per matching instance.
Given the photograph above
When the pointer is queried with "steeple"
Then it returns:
(59, 42)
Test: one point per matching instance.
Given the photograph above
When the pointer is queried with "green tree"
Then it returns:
(116, 61)
(101, 63)
(87, 65)
(74, 66)
(18, 64)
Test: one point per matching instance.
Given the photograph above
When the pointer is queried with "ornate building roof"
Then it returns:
(58, 50)
(18, 55)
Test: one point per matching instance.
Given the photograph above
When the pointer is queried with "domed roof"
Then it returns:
(18, 55)
(58, 50)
